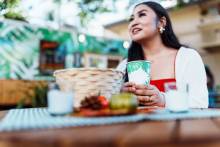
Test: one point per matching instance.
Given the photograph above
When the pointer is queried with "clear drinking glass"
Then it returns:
(177, 97)
(60, 99)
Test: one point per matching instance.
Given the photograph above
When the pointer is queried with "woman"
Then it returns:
(153, 39)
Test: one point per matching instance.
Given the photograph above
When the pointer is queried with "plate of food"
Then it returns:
(119, 104)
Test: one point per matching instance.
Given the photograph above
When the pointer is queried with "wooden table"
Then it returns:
(197, 132)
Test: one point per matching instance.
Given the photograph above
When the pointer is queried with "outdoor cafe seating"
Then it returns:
(145, 125)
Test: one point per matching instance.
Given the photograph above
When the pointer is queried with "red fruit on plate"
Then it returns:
(105, 104)
(104, 101)
(101, 97)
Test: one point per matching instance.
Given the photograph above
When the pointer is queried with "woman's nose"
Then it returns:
(134, 23)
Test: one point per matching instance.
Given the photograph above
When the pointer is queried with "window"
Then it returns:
(52, 56)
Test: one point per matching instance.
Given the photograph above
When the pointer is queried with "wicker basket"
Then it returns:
(87, 81)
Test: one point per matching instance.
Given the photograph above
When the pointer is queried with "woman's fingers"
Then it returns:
(141, 86)
(145, 92)
(143, 98)
(146, 100)
(140, 90)
(128, 87)
(147, 103)
(149, 87)
(149, 95)
(128, 84)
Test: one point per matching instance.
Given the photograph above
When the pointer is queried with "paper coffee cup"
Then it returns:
(139, 72)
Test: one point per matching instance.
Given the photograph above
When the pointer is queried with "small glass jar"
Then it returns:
(59, 102)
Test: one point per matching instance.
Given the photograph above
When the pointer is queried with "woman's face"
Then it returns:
(143, 23)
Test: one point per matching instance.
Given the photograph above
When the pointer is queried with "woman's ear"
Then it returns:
(162, 22)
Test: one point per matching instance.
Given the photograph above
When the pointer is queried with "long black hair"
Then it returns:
(210, 78)
(169, 39)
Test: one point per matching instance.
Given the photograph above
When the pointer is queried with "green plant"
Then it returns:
(13, 15)
(9, 9)
(39, 99)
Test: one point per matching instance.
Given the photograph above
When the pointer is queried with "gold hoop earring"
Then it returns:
(161, 30)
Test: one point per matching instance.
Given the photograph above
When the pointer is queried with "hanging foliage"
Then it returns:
(8, 8)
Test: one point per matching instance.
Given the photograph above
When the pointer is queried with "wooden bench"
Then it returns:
(14, 91)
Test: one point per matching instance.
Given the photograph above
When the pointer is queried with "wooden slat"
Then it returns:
(1, 89)
(199, 130)
(149, 133)
(79, 136)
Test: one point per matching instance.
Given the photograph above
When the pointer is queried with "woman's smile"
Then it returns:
(135, 31)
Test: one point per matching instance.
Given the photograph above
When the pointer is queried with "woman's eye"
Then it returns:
(130, 19)
(142, 14)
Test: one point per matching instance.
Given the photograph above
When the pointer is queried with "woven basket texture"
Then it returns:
(89, 81)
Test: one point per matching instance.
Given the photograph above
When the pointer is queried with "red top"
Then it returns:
(160, 83)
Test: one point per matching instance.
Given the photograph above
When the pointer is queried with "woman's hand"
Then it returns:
(129, 87)
(149, 95)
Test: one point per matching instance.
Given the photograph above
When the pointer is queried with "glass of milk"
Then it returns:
(177, 97)
(60, 101)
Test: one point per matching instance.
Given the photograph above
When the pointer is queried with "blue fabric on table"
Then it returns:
(191, 114)
(39, 118)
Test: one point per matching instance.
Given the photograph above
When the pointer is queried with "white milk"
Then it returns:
(59, 102)
(177, 101)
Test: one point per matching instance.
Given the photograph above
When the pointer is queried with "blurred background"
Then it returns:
(38, 37)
